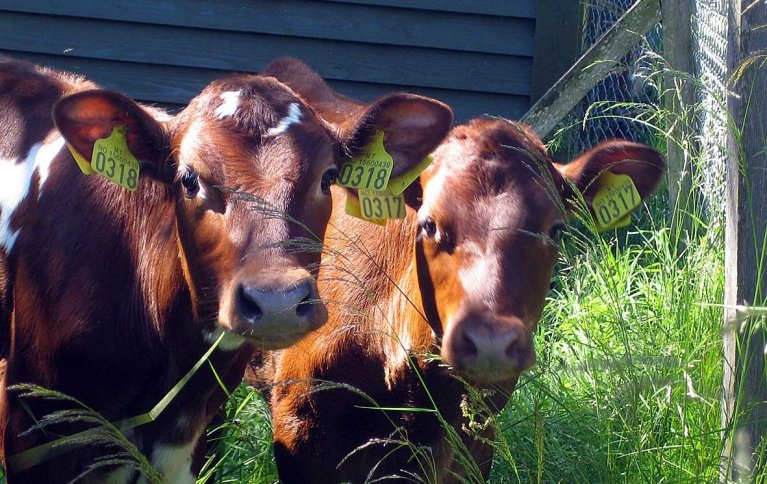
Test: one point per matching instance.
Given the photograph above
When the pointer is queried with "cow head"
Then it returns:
(249, 167)
(493, 203)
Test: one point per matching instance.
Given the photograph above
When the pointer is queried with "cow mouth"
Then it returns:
(274, 342)
(232, 340)
(486, 377)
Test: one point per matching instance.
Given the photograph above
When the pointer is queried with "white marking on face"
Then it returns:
(293, 117)
(231, 101)
(15, 182)
(432, 193)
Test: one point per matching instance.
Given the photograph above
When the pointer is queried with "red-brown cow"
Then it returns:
(112, 295)
(465, 275)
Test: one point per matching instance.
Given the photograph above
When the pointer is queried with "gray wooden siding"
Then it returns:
(476, 56)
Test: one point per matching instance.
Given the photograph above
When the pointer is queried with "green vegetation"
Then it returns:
(628, 383)
(629, 376)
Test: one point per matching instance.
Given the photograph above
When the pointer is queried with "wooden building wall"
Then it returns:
(475, 55)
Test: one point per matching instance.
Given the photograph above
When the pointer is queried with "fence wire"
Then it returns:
(710, 55)
(611, 108)
(617, 106)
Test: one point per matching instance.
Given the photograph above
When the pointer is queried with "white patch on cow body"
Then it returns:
(174, 462)
(230, 104)
(15, 182)
(44, 159)
(122, 475)
(293, 117)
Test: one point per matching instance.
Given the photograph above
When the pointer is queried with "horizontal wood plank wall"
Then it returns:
(476, 56)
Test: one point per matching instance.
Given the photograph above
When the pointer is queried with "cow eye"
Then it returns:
(328, 178)
(556, 231)
(190, 180)
(428, 227)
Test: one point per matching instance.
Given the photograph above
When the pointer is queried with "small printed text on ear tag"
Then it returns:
(615, 201)
(375, 205)
(113, 159)
(371, 169)
(353, 209)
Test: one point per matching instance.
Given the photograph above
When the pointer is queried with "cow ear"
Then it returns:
(413, 126)
(644, 165)
(85, 117)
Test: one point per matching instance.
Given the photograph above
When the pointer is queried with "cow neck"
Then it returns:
(157, 260)
(411, 305)
(187, 271)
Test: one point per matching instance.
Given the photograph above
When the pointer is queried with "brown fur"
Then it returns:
(396, 293)
(110, 296)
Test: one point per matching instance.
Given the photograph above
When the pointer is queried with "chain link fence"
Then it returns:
(611, 109)
(710, 54)
(619, 105)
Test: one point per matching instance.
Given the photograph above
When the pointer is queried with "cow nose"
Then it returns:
(256, 301)
(277, 309)
(489, 349)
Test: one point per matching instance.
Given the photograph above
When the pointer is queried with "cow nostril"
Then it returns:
(304, 308)
(247, 305)
(467, 348)
(511, 350)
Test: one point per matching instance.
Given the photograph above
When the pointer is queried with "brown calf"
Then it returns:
(464, 275)
(111, 295)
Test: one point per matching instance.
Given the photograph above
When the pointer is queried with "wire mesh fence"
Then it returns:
(611, 108)
(619, 106)
(710, 54)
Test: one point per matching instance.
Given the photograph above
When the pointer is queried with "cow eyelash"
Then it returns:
(328, 178)
(428, 227)
(190, 180)
(555, 233)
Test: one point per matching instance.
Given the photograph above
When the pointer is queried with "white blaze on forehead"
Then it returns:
(231, 101)
(293, 117)
(16, 180)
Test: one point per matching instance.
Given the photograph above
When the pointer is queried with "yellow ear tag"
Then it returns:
(615, 200)
(371, 169)
(398, 184)
(375, 205)
(353, 209)
(84, 165)
(112, 158)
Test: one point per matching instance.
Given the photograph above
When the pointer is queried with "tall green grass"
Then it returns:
(628, 383)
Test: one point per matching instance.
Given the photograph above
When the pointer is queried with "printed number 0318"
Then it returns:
(353, 175)
(120, 174)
